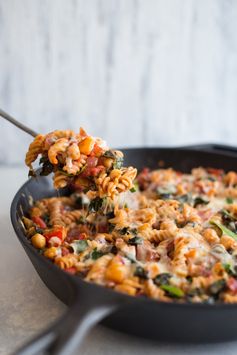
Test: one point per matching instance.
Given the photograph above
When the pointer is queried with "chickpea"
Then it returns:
(38, 240)
(86, 145)
(108, 162)
(50, 253)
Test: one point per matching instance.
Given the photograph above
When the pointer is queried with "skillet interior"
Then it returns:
(153, 320)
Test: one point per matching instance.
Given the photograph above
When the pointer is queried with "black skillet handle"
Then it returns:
(214, 148)
(65, 336)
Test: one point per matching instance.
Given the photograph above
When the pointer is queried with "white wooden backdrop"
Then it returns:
(137, 72)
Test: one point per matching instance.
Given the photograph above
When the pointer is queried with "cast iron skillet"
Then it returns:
(89, 303)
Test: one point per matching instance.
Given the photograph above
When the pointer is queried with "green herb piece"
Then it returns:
(217, 287)
(229, 269)
(46, 218)
(114, 250)
(135, 187)
(79, 246)
(135, 241)
(183, 198)
(197, 291)
(43, 160)
(166, 196)
(79, 202)
(162, 279)
(140, 272)
(211, 178)
(96, 254)
(118, 163)
(96, 204)
(200, 201)
(227, 215)
(111, 227)
(125, 205)
(47, 168)
(224, 229)
(110, 214)
(124, 231)
(166, 193)
(81, 220)
(189, 279)
(173, 291)
(229, 200)
(39, 230)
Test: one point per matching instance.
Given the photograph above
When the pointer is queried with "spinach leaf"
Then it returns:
(200, 201)
(183, 198)
(47, 168)
(216, 287)
(230, 269)
(124, 231)
(229, 200)
(96, 254)
(79, 246)
(226, 215)
(96, 204)
(135, 241)
(173, 291)
(197, 291)
(140, 272)
(118, 163)
(224, 229)
(162, 279)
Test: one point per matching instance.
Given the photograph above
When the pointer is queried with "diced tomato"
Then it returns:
(143, 179)
(232, 284)
(216, 172)
(39, 221)
(59, 232)
(75, 234)
(92, 171)
(103, 228)
(91, 162)
(97, 150)
(71, 270)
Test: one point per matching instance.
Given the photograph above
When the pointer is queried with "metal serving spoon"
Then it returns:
(24, 128)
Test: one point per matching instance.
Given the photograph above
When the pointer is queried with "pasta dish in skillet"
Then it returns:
(164, 234)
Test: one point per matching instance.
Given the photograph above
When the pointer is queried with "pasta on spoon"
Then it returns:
(80, 160)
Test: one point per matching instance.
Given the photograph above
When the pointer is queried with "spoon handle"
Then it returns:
(24, 128)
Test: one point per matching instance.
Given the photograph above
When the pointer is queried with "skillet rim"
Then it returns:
(76, 280)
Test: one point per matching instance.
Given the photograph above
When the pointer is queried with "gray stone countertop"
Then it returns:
(27, 306)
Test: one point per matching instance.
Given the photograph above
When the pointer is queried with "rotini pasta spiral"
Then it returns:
(34, 150)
